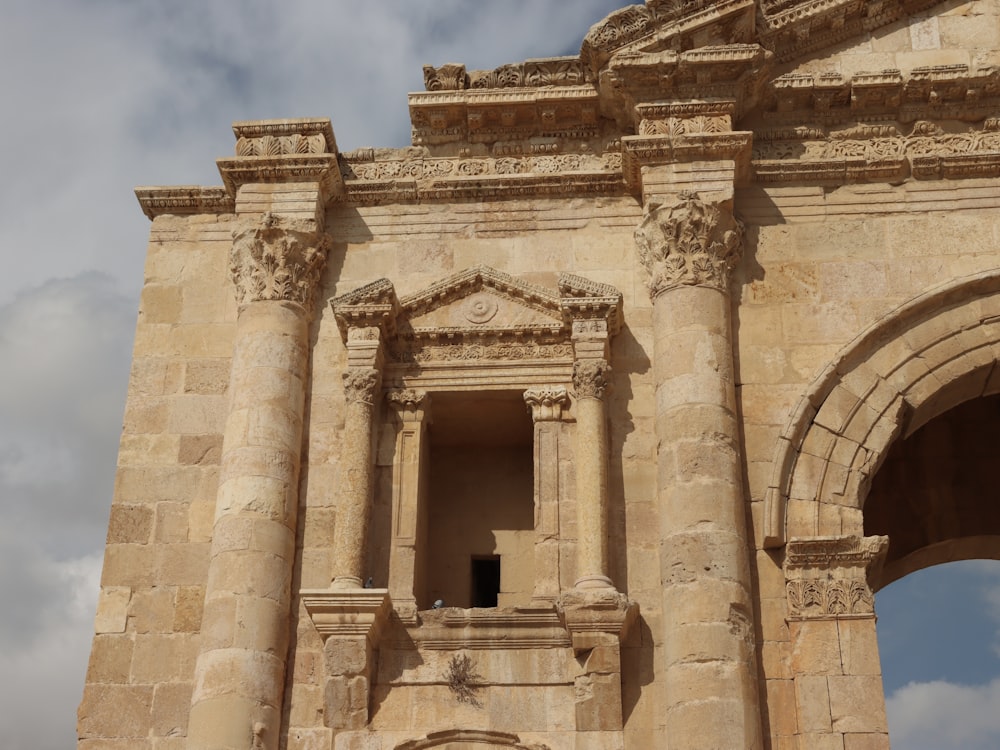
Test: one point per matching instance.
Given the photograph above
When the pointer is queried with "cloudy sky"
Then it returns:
(104, 95)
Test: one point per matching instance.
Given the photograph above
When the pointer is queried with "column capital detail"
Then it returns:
(589, 615)
(688, 243)
(362, 384)
(366, 312)
(276, 258)
(591, 378)
(829, 577)
(546, 404)
(410, 405)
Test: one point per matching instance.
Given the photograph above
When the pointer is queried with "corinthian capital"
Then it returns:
(591, 378)
(688, 243)
(277, 259)
(361, 384)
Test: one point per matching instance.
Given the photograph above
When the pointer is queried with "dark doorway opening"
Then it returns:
(485, 581)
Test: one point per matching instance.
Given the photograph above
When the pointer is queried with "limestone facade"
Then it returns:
(591, 420)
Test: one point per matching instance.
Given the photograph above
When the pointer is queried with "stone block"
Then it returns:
(171, 705)
(115, 711)
(112, 609)
(110, 659)
(857, 704)
(812, 699)
(130, 524)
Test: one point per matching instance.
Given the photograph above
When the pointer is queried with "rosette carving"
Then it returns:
(361, 384)
(688, 243)
(277, 259)
(591, 378)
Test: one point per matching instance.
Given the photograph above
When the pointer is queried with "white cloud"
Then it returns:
(936, 715)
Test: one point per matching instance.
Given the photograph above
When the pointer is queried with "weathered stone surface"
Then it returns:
(624, 484)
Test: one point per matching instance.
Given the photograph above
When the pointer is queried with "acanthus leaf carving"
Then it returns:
(361, 384)
(591, 378)
(688, 243)
(828, 577)
(546, 404)
(277, 259)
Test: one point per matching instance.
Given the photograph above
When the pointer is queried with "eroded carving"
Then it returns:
(689, 242)
(828, 577)
(277, 259)
(591, 378)
(361, 384)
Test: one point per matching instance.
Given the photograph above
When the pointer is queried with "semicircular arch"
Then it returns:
(927, 356)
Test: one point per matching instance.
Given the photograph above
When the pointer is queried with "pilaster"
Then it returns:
(548, 407)
(412, 413)
(831, 624)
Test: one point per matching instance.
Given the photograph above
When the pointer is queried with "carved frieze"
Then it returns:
(689, 243)
(183, 200)
(277, 259)
(877, 152)
(829, 577)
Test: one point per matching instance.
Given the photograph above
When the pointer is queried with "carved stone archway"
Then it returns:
(928, 356)
(462, 739)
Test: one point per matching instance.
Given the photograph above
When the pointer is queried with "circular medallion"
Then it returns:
(480, 308)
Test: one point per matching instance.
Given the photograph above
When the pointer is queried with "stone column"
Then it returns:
(831, 624)
(240, 673)
(689, 247)
(590, 381)
(546, 406)
(364, 317)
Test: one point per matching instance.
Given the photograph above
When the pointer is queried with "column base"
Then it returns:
(346, 583)
(594, 582)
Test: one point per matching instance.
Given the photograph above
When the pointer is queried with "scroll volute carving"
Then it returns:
(688, 243)
(277, 259)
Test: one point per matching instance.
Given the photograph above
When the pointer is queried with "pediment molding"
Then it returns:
(479, 326)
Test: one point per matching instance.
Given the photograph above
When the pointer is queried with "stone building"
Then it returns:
(592, 420)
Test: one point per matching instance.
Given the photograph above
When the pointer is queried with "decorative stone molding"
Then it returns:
(598, 621)
(552, 71)
(689, 243)
(407, 401)
(184, 200)
(284, 137)
(362, 613)
(546, 404)
(361, 384)
(277, 259)
(453, 629)
(828, 577)
(474, 737)
(591, 378)
(878, 153)
(296, 150)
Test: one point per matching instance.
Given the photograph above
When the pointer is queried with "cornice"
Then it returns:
(184, 200)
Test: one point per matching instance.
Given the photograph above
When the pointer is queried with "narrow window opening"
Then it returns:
(485, 581)
(480, 501)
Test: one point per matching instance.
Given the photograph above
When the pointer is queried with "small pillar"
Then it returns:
(598, 621)
(364, 317)
(547, 406)
(590, 381)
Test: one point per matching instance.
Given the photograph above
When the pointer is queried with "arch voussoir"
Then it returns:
(926, 357)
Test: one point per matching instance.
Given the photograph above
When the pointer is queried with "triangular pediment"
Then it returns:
(480, 300)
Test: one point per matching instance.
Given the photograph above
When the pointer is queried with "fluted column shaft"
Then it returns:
(240, 671)
(689, 248)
